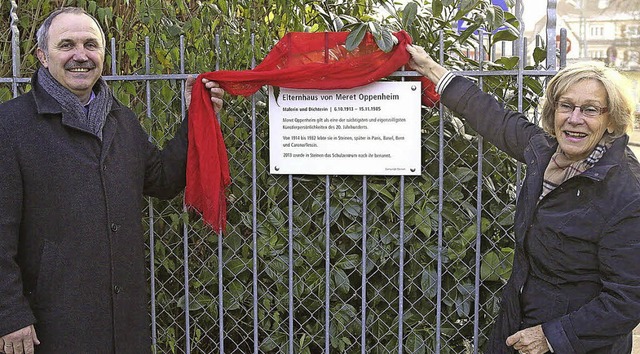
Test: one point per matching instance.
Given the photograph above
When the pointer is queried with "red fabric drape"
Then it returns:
(298, 60)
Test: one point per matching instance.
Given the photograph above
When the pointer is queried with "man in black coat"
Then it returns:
(74, 166)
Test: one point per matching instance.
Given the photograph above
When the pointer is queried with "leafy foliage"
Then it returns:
(439, 225)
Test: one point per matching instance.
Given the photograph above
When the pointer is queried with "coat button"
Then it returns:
(117, 289)
(114, 227)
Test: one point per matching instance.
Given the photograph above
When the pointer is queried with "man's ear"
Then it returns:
(42, 57)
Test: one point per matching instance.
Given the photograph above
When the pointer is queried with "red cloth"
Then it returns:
(299, 60)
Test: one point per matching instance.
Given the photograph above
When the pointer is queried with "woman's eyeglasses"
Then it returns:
(586, 109)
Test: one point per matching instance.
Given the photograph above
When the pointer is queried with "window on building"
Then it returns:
(596, 54)
(632, 31)
(596, 31)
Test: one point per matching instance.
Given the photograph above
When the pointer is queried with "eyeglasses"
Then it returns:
(586, 109)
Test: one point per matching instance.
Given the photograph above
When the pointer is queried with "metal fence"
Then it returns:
(328, 264)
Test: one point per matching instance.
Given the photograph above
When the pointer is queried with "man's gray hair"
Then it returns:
(42, 36)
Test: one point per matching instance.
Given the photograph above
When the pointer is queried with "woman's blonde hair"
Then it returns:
(620, 103)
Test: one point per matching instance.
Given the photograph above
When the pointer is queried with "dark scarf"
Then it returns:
(90, 121)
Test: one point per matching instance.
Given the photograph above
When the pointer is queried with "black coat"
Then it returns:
(576, 268)
(72, 251)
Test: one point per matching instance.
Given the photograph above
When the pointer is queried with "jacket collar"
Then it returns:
(613, 157)
(45, 103)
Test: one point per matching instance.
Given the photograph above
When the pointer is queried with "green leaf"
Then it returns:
(464, 174)
(375, 29)
(464, 299)
(351, 261)
(498, 16)
(196, 25)
(422, 221)
(341, 280)
(415, 343)
(496, 265)
(539, 55)
(237, 293)
(436, 7)
(277, 217)
(508, 62)
(465, 5)
(380, 189)
(409, 14)
(356, 36)
(338, 24)
(196, 303)
(92, 7)
(385, 42)
(505, 35)
(429, 283)
(468, 32)
(236, 266)
(277, 268)
(353, 210)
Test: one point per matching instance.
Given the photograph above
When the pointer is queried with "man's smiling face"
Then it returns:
(75, 53)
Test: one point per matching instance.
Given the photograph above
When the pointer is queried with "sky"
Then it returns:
(534, 10)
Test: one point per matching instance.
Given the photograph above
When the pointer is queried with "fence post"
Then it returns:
(15, 46)
(551, 34)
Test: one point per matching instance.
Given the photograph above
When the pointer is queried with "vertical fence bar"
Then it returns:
(476, 307)
(401, 266)
(401, 271)
(291, 309)
(551, 34)
(327, 266)
(15, 47)
(440, 205)
(255, 202)
(152, 241)
(563, 48)
(220, 261)
(327, 260)
(363, 314)
(185, 231)
(522, 53)
(521, 66)
(113, 56)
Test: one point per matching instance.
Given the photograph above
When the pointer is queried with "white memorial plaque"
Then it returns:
(369, 130)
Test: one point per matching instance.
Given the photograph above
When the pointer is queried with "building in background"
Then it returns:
(605, 30)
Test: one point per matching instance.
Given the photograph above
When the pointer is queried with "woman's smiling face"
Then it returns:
(577, 133)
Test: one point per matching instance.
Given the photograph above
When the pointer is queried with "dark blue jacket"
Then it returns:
(576, 267)
(72, 252)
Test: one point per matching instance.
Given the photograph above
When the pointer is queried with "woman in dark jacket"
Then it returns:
(575, 283)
